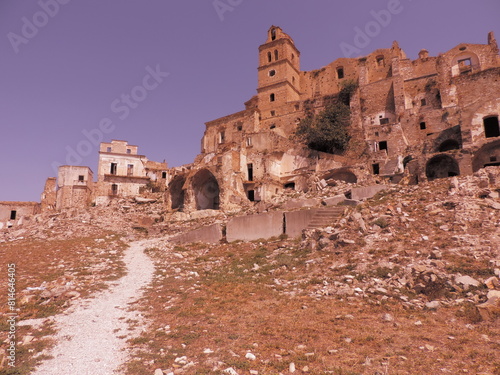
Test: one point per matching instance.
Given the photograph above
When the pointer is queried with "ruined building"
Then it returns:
(410, 121)
(420, 119)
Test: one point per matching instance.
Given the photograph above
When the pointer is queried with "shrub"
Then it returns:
(328, 130)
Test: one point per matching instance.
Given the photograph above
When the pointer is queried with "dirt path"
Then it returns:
(88, 336)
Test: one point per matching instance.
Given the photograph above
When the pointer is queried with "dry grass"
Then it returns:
(232, 309)
(85, 263)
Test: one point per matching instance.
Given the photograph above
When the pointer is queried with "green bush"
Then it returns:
(327, 131)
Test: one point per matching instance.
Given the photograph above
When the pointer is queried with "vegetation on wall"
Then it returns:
(327, 131)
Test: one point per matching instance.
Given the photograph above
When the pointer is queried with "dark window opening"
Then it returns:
(423, 102)
(250, 172)
(290, 185)
(293, 56)
(448, 145)
(239, 128)
(297, 107)
(376, 168)
(422, 125)
(380, 60)
(382, 145)
(130, 169)
(251, 195)
(113, 168)
(376, 134)
(114, 189)
(222, 137)
(81, 178)
(340, 73)
(129, 151)
(276, 55)
(269, 57)
(293, 80)
(272, 73)
(273, 34)
(13, 215)
(272, 126)
(384, 121)
(493, 158)
(108, 149)
(163, 175)
(272, 98)
(273, 113)
(491, 127)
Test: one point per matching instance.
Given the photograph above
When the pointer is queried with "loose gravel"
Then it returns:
(91, 334)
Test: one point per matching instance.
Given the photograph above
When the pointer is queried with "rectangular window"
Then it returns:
(382, 145)
(81, 178)
(163, 174)
(129, 151)
(340, 73)
(491, 127)
(130, 169)
(376, 168)
(108, 149)
(423, 102)
(273, 113)
(422, 125)
(222, 137)
(384, 121)
(13, 215)
(250, 172)
(114, 189)
(251, 195)
(249, 141)
(112, 169)
(465, 66)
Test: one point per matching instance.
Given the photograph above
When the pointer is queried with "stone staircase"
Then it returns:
(325, 217)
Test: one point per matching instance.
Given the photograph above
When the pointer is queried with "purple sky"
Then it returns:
(62, 77)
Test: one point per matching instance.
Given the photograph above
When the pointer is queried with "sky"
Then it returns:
(152, 72)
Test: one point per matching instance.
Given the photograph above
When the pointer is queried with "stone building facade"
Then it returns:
(123, 172)
(416, 119)
(14, 213)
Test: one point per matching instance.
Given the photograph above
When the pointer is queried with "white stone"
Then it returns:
(250, 356)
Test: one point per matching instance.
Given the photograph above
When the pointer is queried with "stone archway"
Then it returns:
(441, 166)
(177, 193)
(206, 190)
(488, 155)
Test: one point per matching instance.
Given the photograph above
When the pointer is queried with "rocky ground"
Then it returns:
(404, 283)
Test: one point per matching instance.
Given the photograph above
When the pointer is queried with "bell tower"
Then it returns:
(278, 72)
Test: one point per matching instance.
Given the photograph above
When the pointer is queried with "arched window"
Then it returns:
(273, 34)
(272, 98)
(269, 58)
(276, 54)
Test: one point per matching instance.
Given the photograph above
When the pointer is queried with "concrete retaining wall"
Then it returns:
(253, 227)
(296, 221)
(209, 234)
